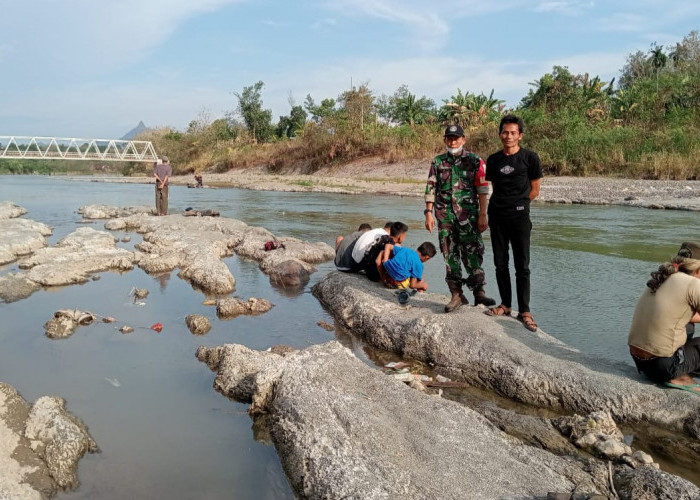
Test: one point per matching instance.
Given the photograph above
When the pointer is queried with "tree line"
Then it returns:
(645, 124)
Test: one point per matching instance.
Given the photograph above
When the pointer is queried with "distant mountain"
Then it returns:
(134, 131)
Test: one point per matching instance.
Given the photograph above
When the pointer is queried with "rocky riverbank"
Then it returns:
(408, 179)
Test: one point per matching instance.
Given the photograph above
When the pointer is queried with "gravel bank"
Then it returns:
(408, 179)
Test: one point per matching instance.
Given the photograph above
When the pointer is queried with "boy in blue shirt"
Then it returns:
(405, 267)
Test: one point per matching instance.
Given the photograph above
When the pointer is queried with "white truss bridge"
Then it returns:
(64, 148)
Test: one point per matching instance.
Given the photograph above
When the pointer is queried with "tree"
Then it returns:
(404, 108)
(257, 120)
(469, 109)
(289, 126)
(357, 105)
(323, 112)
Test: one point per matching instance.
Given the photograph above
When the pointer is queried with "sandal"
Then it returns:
(527, 320)
(499, 310)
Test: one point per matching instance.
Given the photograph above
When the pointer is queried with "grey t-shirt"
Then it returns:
(343, 256)
(163, 170)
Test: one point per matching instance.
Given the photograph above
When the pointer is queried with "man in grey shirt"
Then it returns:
(344, 246)
(162, 173)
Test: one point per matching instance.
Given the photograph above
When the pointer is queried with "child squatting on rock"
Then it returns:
(404, 268)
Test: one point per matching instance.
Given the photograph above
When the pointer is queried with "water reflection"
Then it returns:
(162, 280)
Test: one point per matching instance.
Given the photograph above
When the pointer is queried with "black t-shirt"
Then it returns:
(510, 176)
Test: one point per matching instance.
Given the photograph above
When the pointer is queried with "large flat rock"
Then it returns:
(345, 430)
(500, 355)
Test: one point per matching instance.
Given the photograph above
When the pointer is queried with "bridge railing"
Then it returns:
(71, 148)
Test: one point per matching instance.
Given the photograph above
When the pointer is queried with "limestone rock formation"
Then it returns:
(198, 324)
(499, 355)
(231, 307)
(40, 447)
(343, 429)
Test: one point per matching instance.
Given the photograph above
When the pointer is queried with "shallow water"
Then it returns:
(164, 432)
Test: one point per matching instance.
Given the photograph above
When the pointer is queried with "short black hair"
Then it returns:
(428, 249)
(512, 119)
(388, 225)
(364, 227)
(397, 229)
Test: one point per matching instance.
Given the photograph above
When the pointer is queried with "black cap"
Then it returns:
(454, 130)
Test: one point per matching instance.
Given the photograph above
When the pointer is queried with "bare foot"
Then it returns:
(685, 380)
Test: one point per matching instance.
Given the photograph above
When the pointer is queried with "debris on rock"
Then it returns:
(198, 324)
(139, 293)
(158, 327)
(65, 321)
(596, 433)
(326, 326)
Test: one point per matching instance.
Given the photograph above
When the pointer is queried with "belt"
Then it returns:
(641, 353)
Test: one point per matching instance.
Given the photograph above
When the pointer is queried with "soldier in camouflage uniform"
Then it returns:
(458, 191)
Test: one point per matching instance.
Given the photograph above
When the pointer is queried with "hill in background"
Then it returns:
(134, 131)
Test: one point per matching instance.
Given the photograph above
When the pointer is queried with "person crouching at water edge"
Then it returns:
(405, 268)
(658, 342)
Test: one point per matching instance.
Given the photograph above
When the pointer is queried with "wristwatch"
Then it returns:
(427, 211)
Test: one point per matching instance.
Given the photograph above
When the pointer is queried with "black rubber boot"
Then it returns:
(481, 298)
(457, 299)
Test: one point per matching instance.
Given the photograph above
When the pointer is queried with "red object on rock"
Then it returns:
(157, 327)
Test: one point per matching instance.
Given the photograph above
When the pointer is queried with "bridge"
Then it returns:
(64, 148)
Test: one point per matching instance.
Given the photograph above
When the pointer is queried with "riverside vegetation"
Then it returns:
(646, 125)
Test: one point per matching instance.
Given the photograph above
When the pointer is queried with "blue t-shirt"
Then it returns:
(404, 264)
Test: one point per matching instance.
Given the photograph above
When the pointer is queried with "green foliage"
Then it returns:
(290, 126)
(405, 108)
(257, 120)
(470, 110)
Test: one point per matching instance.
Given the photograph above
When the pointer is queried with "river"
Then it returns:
(163, 430)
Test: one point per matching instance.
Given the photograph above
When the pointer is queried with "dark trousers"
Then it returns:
(513, 232)
(685, 360)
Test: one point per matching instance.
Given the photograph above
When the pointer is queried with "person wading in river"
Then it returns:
(458, 192)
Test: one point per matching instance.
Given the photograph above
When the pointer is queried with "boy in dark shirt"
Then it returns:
(515, 174)
(396, 236)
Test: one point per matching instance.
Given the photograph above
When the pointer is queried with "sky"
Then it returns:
(95, 68)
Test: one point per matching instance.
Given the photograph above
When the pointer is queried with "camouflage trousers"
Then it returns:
(462, 245)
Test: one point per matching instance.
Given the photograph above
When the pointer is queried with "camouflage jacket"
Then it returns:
(454, 184)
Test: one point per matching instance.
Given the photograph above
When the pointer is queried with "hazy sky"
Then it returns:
(94, 68)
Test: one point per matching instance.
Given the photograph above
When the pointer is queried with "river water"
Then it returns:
(163, 430)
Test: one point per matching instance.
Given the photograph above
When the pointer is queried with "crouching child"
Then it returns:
(405, 267)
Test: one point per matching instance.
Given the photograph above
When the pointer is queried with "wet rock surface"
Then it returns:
(231, 307)
(499, 355)
(111, 212)
(9, 210)
(19, 236)
(196, 245)
(343, 429)
(72, 260)
(197, 324)
(40, 446)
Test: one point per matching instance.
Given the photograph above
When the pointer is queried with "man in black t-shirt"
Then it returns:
(515, 174)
